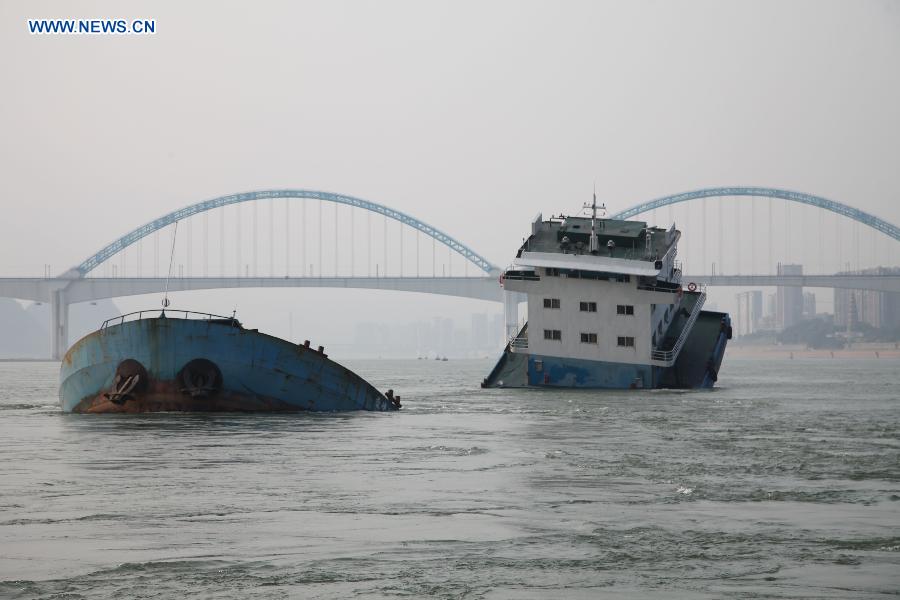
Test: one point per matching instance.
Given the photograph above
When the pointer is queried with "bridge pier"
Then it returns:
(511, 313)
(59, 324)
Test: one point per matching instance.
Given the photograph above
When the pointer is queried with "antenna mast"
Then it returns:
(595, 243)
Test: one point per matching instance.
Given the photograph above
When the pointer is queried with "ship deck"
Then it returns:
(628, 237)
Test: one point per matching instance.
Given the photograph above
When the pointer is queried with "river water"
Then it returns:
(784, 482)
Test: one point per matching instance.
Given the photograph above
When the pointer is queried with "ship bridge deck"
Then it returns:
(629, 238)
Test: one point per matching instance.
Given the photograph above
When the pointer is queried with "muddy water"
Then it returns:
(782, 483)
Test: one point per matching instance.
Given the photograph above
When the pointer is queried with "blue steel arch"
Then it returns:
(817, 201)
(130, 238)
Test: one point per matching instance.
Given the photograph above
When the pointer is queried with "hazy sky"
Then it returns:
(473, 116)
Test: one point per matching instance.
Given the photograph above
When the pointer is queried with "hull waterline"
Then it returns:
(205, 365)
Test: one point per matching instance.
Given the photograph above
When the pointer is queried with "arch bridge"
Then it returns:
(392, 261)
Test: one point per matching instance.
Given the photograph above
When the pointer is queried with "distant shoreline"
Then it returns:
(873, 351)
(3, 360)
(733, 351)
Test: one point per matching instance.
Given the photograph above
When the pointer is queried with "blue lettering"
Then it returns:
(91, 26)
(143, 26)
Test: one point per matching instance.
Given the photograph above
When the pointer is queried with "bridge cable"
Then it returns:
(165, 301)
(771, 263)
(335, 239)
(287, 238)
(206, 244)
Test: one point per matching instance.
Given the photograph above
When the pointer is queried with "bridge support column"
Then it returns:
(511, 314)
(59, 324)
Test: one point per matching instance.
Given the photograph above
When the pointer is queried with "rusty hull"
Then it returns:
(190, 365)
(166, 396)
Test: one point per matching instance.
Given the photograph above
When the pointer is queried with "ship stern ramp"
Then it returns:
(511, 369)
(698, 362)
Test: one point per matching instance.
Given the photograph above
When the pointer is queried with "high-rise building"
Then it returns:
(809, 305)
(749, 312)
(788, 300)
(498, 331)
(878, 309)
(479, 333)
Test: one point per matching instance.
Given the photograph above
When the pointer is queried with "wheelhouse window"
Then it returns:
(552, 272)
(551, 302)
(623, 278)
(588, 338)
(587, 306)
(553, 334)
(625, 341)
(624, 309)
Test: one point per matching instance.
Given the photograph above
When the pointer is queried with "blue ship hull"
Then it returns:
(212, 364)
(697, 365)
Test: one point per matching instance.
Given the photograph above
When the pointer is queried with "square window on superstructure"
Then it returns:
(588, 338)
(551, 303)
(625, 341)
(629, 309)
(587, 306)
(553, 334)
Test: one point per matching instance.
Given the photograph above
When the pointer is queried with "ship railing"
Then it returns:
(169, 314)
(521, 275)
(668, 287)
(669, 356)
(519, 343)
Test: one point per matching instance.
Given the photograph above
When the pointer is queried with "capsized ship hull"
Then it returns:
(207, 364)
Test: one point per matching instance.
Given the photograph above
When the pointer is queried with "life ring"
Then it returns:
(692, 287)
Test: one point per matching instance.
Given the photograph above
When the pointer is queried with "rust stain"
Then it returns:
(166, 396)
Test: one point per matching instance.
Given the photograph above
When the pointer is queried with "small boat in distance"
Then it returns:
(185, 361)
